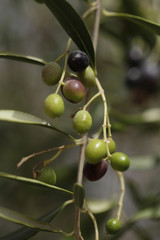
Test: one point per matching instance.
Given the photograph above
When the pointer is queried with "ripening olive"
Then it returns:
(73, 90)
(94, 172)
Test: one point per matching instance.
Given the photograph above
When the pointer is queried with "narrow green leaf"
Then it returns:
(144, 162)
(26, 233)
(150, 116)
(22, 58)
(32, 181)
(79, 195)
(136, 19)
(73, 25)
(148, 213)
(19, 218)
(101, 205)
(25, 118)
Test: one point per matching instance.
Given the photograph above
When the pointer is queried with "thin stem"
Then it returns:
(120, 203)
(60, 57)
(82, 158)
(52, 158)
(94, 221)
(89, 11)
(77, 233)
(65, 65)
(97, 23)
(25, 159)
(91, 100)
(106, 121)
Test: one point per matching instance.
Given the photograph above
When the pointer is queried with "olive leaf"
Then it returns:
(25, 118)
(136, 19)
(148, 213)
(33, 182)
(144, 162)
(22, 58)
(98, 206)
(22, 219)
(73, 25)
(26, 232)
(150, 116)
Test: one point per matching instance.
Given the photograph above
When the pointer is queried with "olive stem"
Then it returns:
(82, 158)
(91, 100)
(106, 121)
(97, 23)
(87, 210)
(65, 65)
(25, 159)
(52, 158)
(77, 232)
(60, 57)
(89, 11)
(120, 203)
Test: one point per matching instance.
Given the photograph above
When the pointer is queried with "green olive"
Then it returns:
(119, 161)
(111, 145)
(51, 73)
(87, 77)
(113, 226)
(82, 121)
(54, 105)
(95, 151)
(47, 175)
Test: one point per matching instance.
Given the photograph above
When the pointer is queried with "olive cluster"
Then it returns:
(96, 156)
(73, 88)
(142, 76)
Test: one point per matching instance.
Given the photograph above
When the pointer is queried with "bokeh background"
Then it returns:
(29, 28)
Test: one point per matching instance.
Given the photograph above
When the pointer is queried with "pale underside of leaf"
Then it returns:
(25, 118)
(101, 205)
(22, 58)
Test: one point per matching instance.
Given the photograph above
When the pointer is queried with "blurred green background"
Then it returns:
(27, 27)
